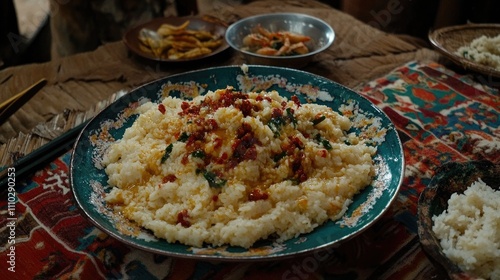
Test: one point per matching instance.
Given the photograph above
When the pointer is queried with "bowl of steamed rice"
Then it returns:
(472, 46)
(459, 219)
(255, 169)
(280, 39)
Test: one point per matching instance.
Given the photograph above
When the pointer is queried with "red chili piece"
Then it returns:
(169, 178)
(161, 108)
(277, 113)
(297, 167)
(185, 159)
(188, 109)
(257, 194)
(244, 146)
(229, 98)
(182, 218)
(210, 124)
(296, 100)
(196, 139)
(185, 105)
(222, 159)
(245, 107)
(217, 143)
(262, 98)
(296, 141)
(195, 136)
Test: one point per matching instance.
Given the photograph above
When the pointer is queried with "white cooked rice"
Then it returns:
(185, 208)
(469, 230)
(483, 50)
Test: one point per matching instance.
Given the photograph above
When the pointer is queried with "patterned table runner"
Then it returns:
(440, 116)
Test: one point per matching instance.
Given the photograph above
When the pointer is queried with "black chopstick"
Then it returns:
(23, 97)
(43, 155)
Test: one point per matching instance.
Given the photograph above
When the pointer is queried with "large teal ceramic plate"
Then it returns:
(88, 179)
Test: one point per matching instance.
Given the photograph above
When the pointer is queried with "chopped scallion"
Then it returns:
(167, 152)
(316, 121)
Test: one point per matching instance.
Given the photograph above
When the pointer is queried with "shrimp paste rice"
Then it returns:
(469, 230)
(234, 168)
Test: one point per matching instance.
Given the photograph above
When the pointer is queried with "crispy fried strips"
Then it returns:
(178, 42)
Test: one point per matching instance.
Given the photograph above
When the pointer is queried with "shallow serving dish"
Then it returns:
(89, 181)
(322, 36)
(131, 37)
(453, 177)
(448, 40)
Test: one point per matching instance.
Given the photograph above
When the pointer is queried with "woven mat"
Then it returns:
(25, 143)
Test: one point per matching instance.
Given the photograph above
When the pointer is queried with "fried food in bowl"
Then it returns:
(177, 39)
(280, 39)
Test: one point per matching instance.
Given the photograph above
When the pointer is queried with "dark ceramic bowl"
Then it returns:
(451, 178)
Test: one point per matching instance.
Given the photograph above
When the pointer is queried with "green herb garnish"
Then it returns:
(326, 144)
(278, 157)
(318, 120)
(275, 125)
(183, 137)
(198, 154)
(167, 152)
(213, 180)
(292, 118)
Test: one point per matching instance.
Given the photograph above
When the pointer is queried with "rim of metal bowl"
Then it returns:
(316, 51)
